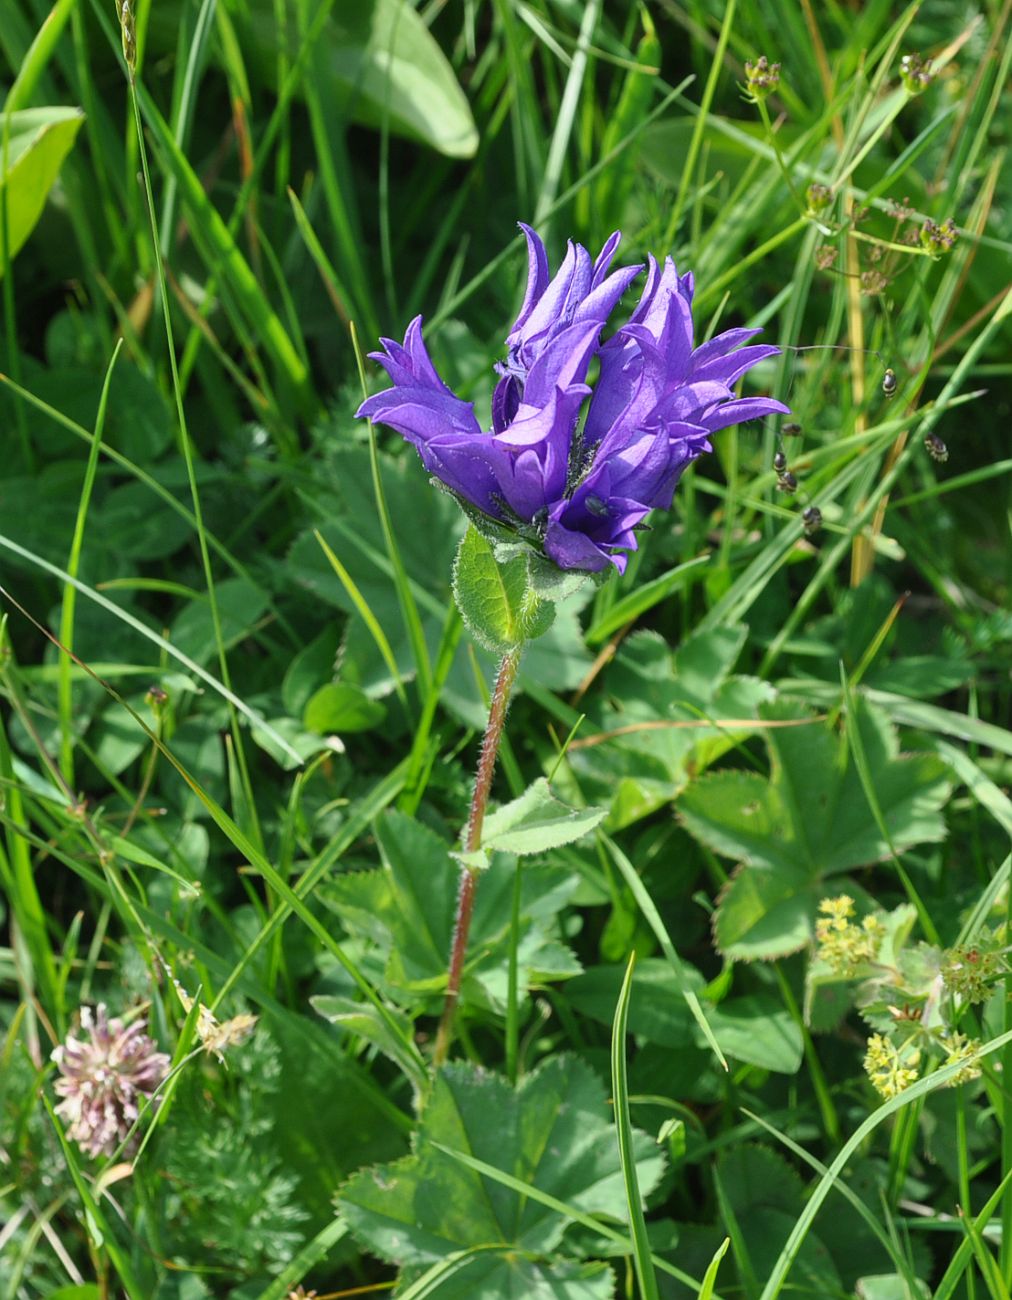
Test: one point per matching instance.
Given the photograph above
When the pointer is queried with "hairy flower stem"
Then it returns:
(476, 819)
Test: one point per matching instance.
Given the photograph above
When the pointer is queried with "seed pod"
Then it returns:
(128, 33)
(779, 462)
(787, 482)
(889, 383)
(936, 448)
(790, 430)
(811, 518)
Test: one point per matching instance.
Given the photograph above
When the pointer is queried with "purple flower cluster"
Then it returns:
(578, 491)
(104, 1077)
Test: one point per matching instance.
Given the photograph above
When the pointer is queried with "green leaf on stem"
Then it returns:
(496, 598)
(537, 822)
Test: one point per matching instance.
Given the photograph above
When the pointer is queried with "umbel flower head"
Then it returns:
(105, 1075)
(576, 478)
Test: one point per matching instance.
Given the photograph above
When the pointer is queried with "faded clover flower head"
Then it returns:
(104, 1076)
(577, 483)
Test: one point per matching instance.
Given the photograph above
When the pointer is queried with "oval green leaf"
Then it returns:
(32, 149)
(495, 597)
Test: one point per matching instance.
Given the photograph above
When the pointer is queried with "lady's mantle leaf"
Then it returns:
(552, 1132)
(407, 910)
(657, 714)
(755, 1027)
(809, 821)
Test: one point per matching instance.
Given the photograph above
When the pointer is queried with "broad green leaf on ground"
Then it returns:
(407, 910)
(37, 141)
(643, 762)
(754, 1028)
(383, 66)
(240, 604)
(762, 1194)
(657, 1009)
(809, 821)
(758, 1028)
(552, 1132)
(339, 706)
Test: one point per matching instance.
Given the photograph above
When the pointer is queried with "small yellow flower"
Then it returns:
(889, 1069)
(958, 1048)
(840, 943)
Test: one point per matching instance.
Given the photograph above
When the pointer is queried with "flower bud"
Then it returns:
(938, 239)
(916, 73)
(761, 77)
(156, 699)
(818, 197)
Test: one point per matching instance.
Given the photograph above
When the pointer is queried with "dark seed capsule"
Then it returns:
(811, 517)
(787, 482)
(936, 448)
(779, 462)
(791, 429)
(889, 383)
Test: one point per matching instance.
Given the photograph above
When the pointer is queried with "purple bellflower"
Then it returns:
(577, 486)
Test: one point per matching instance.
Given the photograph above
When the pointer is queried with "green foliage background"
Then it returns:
(760, 715)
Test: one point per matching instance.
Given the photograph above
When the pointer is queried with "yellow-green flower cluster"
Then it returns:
(958, 1047)
(970, 971)
(890, 1069)
(842, 944)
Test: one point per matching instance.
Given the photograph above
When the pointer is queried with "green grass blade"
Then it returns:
(155, 638)
(915, 1092)
(566, 115)
(65, 690)
(710, 1276)
(368, 617)
(36, 60)
(653, 918)
(645, 1274)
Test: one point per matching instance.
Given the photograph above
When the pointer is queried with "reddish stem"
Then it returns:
(476, 819)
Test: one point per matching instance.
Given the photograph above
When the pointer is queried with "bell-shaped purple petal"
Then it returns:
(655, 402)
(746, 408)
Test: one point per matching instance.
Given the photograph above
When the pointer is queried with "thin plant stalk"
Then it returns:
(472, 842)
